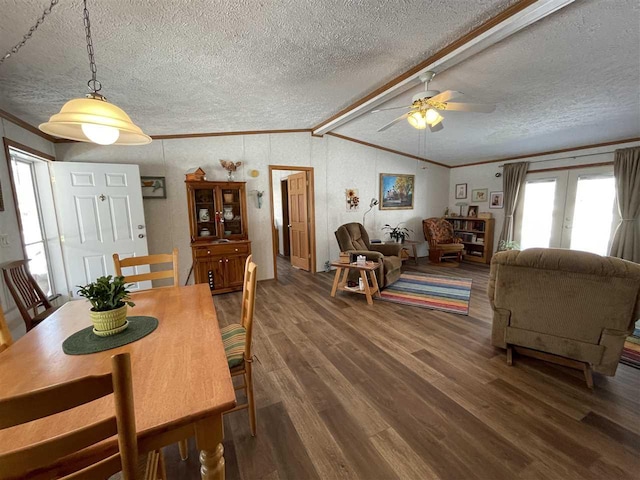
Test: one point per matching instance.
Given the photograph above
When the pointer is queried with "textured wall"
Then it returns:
(338, 164)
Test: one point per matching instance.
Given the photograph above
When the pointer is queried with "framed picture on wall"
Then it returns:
(1, 200)
(461, 191)
(480, 195)
(496, 200)
(396, 191)
(153, 187)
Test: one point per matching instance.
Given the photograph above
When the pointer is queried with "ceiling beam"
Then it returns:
(506, 23)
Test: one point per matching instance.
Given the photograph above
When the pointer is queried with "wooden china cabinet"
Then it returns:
(219, 234)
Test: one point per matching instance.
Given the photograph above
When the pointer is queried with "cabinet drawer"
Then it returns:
(221, 249)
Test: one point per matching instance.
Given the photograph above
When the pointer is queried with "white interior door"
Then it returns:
(100, 213)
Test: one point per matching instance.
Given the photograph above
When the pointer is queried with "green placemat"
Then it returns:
(85, 341)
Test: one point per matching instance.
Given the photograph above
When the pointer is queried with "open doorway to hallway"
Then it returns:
(292, 218)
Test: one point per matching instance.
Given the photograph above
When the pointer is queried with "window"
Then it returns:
(33, 236)
(537, 217)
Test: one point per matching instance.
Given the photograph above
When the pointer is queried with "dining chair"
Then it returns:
(5, 335)
(47, 458)
(26, 293)
(236, 338)
(172, 258)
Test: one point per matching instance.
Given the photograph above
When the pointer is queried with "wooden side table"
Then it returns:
(405, 250)
(344, 268)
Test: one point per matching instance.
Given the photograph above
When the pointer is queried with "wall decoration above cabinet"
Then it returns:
(219, 234)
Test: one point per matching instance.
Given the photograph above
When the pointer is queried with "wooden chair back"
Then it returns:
(172, 258)
(45, 456)
(5, 335)
(248, 301)
(25, 291)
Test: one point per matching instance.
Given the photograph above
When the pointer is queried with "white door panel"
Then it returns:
(100, 213)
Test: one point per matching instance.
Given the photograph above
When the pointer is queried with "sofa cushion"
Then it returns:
(234, 337)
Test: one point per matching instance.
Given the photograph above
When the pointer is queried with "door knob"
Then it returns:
(289, 225)
(141, 236)
(140, 227)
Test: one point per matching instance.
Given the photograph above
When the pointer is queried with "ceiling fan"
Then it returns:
(426, 107)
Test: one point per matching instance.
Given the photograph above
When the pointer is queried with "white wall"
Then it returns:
(338, 164)
(8, 218)
(483, 176)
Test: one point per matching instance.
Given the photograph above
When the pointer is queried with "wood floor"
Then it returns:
(345, 390)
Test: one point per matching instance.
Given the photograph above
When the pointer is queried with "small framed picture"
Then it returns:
(1, 200)
(496, 200)
(153, 187)
(473, 211)
(480, 195)
(461, 191)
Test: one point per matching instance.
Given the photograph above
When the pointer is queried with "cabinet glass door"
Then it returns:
(231, 212)
(205, 213)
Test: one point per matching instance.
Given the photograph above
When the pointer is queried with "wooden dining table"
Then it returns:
(181, 381)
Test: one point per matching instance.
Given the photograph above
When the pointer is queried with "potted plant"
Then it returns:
(109, 298)
(397, 233)
(508, 245)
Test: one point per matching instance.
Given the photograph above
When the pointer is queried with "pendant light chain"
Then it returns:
(28, 35)
(93, 84)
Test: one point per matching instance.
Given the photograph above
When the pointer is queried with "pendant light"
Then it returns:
(93, 119)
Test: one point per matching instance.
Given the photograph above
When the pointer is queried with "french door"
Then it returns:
(573, 209)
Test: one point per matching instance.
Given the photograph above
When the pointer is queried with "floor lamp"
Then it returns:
(372, 204)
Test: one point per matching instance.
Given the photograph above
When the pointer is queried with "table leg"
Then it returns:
(367, 290)
(336, 280)
(374, 282)
(209, 435)
(415, 253)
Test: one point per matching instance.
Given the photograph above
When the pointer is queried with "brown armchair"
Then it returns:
(564, 306)
(438, 232)
(353, 238)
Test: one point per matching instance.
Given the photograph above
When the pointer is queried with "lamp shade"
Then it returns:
(100, 120)
(416, 119)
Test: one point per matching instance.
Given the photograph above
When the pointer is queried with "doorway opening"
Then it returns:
(293, 229)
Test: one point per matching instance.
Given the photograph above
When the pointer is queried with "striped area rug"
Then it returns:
(449, 294)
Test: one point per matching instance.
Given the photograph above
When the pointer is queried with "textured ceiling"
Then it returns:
(185, 66)
(571, 79)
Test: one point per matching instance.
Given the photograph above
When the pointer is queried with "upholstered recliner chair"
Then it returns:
(577, 306)
(353, 238)
(438, 232)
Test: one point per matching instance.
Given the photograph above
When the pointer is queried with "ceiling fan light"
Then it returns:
(431, 116)
(92, 119)
(416, 120)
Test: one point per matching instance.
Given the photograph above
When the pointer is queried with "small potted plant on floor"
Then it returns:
(397, 233)
(109, 298)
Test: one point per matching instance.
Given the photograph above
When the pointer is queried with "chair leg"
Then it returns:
(248, 381)
(587, 375)
(509, 355)
(183, 446)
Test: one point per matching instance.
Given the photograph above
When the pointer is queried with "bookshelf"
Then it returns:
(476, 235)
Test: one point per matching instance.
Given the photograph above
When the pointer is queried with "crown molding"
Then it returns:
(385, 149)
(550, 152)
(21, 123)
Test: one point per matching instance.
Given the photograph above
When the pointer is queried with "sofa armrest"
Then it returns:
(387, 249)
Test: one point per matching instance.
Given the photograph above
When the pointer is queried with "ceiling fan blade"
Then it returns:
(391, 124)
(436, 128)
(385, 109)
(471, 107)
(446, 96)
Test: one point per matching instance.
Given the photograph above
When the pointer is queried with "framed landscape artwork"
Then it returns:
(461, 191)
(480, 195)
(153, 187)
(396, 191)
(496, 200)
